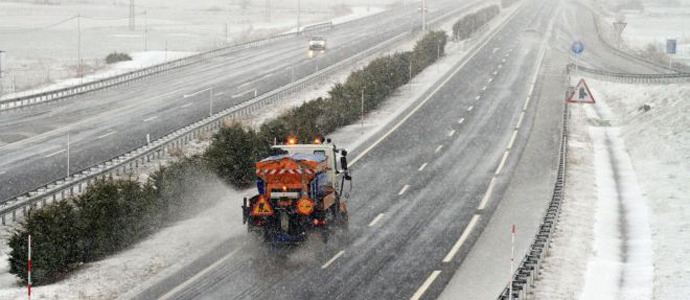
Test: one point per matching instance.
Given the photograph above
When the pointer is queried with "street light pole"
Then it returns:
(362, 111)
(146, 29)
(424, 16)
(210, 107)
(79, 70)
(68, 142)
(410, 81)
(298, 15)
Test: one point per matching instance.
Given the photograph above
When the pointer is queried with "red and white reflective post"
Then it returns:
(512, 255)
(28, 268)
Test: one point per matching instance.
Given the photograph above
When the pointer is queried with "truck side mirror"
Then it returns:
(343, 162)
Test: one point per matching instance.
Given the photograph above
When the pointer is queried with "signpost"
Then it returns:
(576, 48)
(670, 50)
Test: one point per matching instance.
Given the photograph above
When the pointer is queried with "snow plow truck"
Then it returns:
(300, 191)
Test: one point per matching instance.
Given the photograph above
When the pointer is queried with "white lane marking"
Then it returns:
(491, 79)
(531, 89)
(195, 93)
(461, 240)
(328, 263)
(507, 54)
(422, 167)
(503, 162)
(107, 134)
(404, 188)
(461, 120)
(186, 105)
(500, 66)
(470, 108)
(150, 119)
(494, 51)
(512, 139)
(443, 83)
(524, 107)
(84, 121)
(427, 283)
(522, 115)
(55, 153)
(503, 60)
(194, 278)
(376, 220)
(438, 148)
(478, 97)
(495, 73)
(487, 195)
(219, 94)
(484, 88)
(243, 93)
(451, 133)
(3, 172)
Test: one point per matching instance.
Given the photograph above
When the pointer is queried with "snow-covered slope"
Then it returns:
(652, 122)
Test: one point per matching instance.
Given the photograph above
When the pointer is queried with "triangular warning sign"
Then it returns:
(581, 94)
(262, 208)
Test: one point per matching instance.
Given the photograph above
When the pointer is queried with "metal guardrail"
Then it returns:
(80, 89)
(139, 74)
(318, 27)
(528, 269)
(631, 78)
(74, 184)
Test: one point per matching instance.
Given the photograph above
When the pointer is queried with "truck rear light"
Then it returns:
(316, 222)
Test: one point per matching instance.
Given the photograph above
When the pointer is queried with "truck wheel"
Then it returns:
(340, 219)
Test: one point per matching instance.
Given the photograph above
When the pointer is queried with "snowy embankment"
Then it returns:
(125, 274)
(654, 25)
(149, 58)
(624, 230)
(139, 60)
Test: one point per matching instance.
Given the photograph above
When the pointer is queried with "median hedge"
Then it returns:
(322, 116)
(112, 215)
(469, 24)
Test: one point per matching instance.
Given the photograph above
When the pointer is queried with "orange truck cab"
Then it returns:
(299, 191)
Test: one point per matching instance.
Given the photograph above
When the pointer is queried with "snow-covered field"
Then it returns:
(178, 245)
(41, 41)
(655, 24)
(636, 135)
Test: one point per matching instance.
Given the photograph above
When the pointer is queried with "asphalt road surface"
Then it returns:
(421, 197)
(108, 123)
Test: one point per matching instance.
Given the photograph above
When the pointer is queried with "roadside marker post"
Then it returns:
(512, 258)
(28, 269)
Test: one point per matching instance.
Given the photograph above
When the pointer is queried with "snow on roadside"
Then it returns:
(154, 57)
(564, 269)
(139, 60)
(652, 122)
(176, 246)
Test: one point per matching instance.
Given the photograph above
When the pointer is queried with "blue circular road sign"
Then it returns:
(577, 47)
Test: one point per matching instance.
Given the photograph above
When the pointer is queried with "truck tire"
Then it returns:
(340, 219)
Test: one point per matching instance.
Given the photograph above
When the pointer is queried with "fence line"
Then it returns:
(631, 78)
